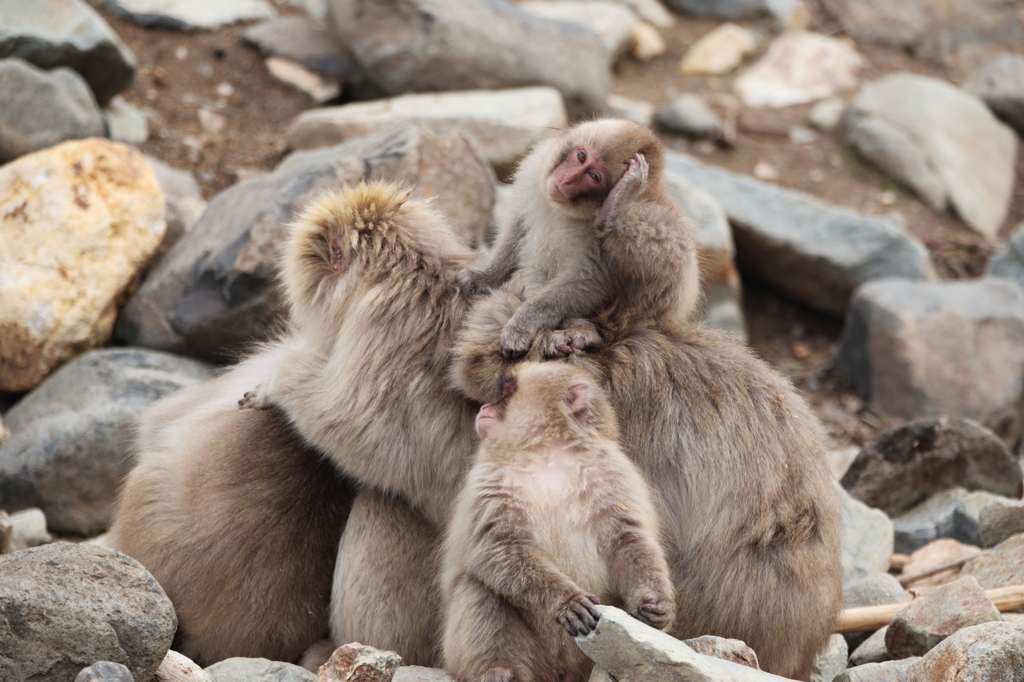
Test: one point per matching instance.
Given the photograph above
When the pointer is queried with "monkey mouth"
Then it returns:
(556, 193)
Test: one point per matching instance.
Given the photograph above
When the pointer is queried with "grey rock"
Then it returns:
(635, 110)
(690, 115)
(923, 623)
(830, 661)
(999, 567)
(416, 673)
(999, 520)
(1000, 85)
(872, 649)
(814, 252)
(214, 291)
(1009, 263)
(430, 45)
(72, 435)
(67, 606)
(873, 590)
(952, 513)
(918, 349)
(613, 21)
(43, 108)
(727, 649)
(105, 671)
(29, 529)
(734, 9)
(990, 652)
(257, 670)
(306, 41)
(185, 203)
(125, 122)
(889, 671)
(191, 15)
(940, 141)
(68, 33)
(866, 541)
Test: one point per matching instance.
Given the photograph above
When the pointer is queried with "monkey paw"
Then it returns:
(514, 342)
(472, 282)
(578, 335)
(656, 612)
(578, 615)
(627, 186)
(254, 400)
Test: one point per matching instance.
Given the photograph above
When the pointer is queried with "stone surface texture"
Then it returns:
(52, 33)
(105, 671)
(940, 141)
(999, 520)
(814, 252)
(872, 649)
(257, 670)
(831, 660)
(179, 668)
(1001, 566)
(430, 45)
(727, 649)
(989, 652)
(1000, 85)
(68, 606)
(358, 663)
(956, 349)
(191, 15)
(867, 538)
(77, 223)
(43, 108)
(889, 671)
(934, 554)
(952, 513)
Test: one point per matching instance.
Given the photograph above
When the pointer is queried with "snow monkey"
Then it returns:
(553, 519)
(593, 226)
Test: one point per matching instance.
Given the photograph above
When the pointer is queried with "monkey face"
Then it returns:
(582, 175)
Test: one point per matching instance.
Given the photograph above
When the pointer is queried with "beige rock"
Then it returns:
(647, 42)
(357, 663)
(999, 567)
(212, 122)
(925, 622)
(719, 51)
(320, 89)
(178, 668)
(416, 673)
(799, 67)
(77, 223)
(935, 553)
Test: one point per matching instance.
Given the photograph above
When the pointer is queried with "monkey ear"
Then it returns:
(578, 396)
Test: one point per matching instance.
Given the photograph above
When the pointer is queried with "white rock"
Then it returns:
(826, 114)
(125, 122)
(299, 77)
(647, 43)
(29, 529)
(636, 110)
(799, 67)
(212, 122)
(189, 15)
(719, 51)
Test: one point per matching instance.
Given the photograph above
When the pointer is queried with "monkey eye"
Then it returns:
(594, 176)
(581, 156)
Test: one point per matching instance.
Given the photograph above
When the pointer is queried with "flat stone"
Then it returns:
(872, 649)
(72, 436)
(999, 567)
(889, 671)
(257, 670)
(866, 541)
(304, 40)
(358, 663)
(814, 252)
(29, 529)
(52, 33)
(719, 51)
(951, 513)
(726, 649)
(105, 671)
(125, 122)
(191, 15)
(501, 124)
(799, 67)
(1009, 262)
(831, 660)
(77, 223)
(68, 606)
(614, 22)
(690, 115)
(921, 349)
(990, 652)
(43, 108)
(940, 141)
(933, 554)
(437, 45)
(999, 520)
(927, 621)
(873, 590)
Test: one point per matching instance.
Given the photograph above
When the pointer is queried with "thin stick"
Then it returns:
(937, 568)
(874, 617)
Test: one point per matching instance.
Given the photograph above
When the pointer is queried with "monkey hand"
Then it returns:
(627, 187)
(577, 335)
(577, 614)
(655, 611)
(255, 399)
(515, 340)
(472, 282)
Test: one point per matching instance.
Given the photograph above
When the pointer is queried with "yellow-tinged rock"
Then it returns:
(647, 42)
(77, 223)
(719, 51)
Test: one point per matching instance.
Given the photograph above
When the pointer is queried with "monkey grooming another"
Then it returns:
(593, 227)
(552, 514)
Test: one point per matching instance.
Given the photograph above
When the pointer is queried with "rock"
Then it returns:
(635, 110)
(53, 33)
(799, 67)
(826, 114)
(927, 621)
(840, 460)
(67, 606)
(633, 652)
(357, 663)
(652, 12)
(72, 436)
(29, 529)
(4, 432)
(614, 22)
(933, 554)
(919, 349)
(1009, 262)
(501, 124)
(6, 531)
(814, 252)
(866, 541)
(213, 292)
(719, 51)
(646, 43)
(43, 108)
(212, 122)
(873, 590)
(889, 671)
(734, 9)
(830, 661)
(304, 80)
(940, 141)
(178, 668)
(990, 652)
(1000, 519)
(428, 45)
(951, 513)
(191, 15)
(257, 670)
(726, 649)
(105, 671)
(872, 649)
(415, 673)
(183, 200)
(690, 115)
(124, 122)
(77, 223)
(1000, 85)
(998, 567)
(953, 32)
(303, 40)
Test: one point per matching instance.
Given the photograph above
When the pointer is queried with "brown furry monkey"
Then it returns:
(735, 457)
(553, 519)
(593, 226)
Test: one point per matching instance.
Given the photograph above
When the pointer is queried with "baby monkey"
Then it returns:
(593, 228)
(553, 519)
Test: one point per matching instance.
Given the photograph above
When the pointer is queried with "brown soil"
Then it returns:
(179, 73)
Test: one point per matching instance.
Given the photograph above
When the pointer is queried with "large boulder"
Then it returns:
(1001, 566)
(989, 652)
(77, 223)
(71, 442)
(190, 15)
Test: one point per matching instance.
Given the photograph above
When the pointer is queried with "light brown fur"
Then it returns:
(553, 516)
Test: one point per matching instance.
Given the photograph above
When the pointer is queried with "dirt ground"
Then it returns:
(179, 73)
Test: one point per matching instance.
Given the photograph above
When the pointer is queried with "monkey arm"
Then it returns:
(503, 259)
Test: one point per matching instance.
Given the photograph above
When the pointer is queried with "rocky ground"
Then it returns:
(854, 176)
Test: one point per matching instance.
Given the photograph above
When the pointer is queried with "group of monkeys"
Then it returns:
(624, 454)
